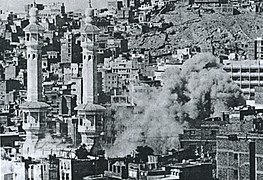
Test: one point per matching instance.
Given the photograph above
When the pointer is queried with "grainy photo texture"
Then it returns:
(131, 89)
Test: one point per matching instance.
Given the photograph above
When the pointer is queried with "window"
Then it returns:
(235, 174)
(213, 132)
(25, 116)
(235, 156)
(89, 57)
(192, 132)
(67, 176)
(27, 37)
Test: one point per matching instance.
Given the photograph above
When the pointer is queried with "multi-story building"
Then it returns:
(110, 81)
(75, 169)
(248, 74)
(127, 74)
(258, 49)
(8, 91)
(239, 145)
(66, 48)
(51, 10)
(202, 140)
(240, 156)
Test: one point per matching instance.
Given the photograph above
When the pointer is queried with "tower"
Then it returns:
(90, 114)
(89, 35)
(33, 110)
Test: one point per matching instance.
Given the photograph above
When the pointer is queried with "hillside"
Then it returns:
(207, 30)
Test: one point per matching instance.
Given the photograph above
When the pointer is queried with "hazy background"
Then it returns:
(18, 5)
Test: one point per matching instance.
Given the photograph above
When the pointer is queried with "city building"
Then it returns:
(202, 141)
(190, 171)
(75, 169)
(8, 93)
(247, 74)
(258, 48)
(67, 48)
(239, 156)
(239, 145)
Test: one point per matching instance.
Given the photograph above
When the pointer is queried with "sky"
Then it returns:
(18, 5)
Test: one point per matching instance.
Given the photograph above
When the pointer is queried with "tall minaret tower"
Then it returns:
(34, 43)
(90, 114)
(89, 34)
(33, 110)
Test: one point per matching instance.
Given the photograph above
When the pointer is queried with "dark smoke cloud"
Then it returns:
(200, 90)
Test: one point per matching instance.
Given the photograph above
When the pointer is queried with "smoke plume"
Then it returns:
(199, 90)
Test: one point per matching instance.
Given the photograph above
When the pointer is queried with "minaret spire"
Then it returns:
(33, 110)
(88, 14)
(90, 114)
(90, 6)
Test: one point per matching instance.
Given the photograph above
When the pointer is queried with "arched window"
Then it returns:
(34, 56)
(25, 117)
(27, 37)
(89, 57)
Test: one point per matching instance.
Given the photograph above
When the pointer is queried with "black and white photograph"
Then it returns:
(131, 89)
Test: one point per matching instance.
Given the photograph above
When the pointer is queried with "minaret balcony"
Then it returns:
(84, 129)
(89, 130)
(89, 45)
(34, 43)
(32, 126)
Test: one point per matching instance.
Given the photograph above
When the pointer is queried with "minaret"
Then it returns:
(89, 34)
(33, 110)
(90, 114)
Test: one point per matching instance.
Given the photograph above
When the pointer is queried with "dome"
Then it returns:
(90, 107)
(34, 105)
(33, 22)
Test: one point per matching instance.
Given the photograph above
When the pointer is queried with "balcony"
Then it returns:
(246, 74)
(114, 175)
(32, 126)
(89, 131)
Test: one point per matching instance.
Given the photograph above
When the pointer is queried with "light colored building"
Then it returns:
(110, 81)
(52, 10)
(12, 170)
(258, 50)
(39, 170)
(248, 74)
(66, 48)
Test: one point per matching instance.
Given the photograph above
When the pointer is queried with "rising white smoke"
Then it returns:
(201, 89)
